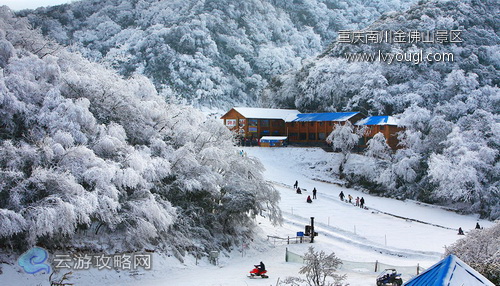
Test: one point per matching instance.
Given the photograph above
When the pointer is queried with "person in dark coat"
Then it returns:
(261, 267)
(478, 226)
(362, 202)
(299, 191)
(296, 184)
(460, 231)
(314, 193)
(341, 195)
(309, 199)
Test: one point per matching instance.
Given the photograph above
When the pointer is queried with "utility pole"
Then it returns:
(312, 229)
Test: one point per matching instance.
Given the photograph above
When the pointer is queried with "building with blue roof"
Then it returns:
(317, 117)
(451, 271)
(385, 124)
(315, 127)
(251, 124)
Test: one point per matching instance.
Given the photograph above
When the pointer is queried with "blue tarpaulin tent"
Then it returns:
(451, 271)
(273, 141)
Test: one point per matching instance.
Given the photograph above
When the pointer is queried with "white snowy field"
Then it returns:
(354, 234)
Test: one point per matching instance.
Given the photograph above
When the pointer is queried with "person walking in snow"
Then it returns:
(350, 198)
(309, 199)
(296, 184)
(362, 202)
(460, 231)
(314, 193)
(357, 201)
(478, 226)
(341, 195)
(299, 191)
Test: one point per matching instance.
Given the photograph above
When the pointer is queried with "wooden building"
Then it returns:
(315, 127)
(387, 125)
(255, 123)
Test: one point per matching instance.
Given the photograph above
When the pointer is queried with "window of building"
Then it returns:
(303, 123)
(277, 123)
(264, 123)
(321, 136)
(382, 127)
(230, 122)
(252, 122)
(302, 136)
(242, 122)
(311, 123)
(312, 136)
(320, 123)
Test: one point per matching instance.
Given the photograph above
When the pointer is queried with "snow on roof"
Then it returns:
(378, 120)
(272, 138)
(265, 113)
(331, 116)
(450, 271)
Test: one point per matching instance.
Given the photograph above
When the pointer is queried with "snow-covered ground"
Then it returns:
(393, 232)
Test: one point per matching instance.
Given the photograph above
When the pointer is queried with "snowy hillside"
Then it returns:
(91, 161)
(358, 236)
(217, 53)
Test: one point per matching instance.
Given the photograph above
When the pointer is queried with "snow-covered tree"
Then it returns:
(480, 248)
(342, 139)
(320, 266)
(88, 158)
(319, 270)
(378, 147)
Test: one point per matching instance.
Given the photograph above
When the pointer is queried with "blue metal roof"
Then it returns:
(451, 271)
(332, 116)
(378, 120)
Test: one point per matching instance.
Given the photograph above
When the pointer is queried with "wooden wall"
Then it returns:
(314, 131)
(302, 131)
(254, 128)
(389, 132)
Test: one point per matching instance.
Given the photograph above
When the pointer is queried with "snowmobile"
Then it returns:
(256, 272)
(389, 277)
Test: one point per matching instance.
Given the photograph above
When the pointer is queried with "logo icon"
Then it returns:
(32, 261)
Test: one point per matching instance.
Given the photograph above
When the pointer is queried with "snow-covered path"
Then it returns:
(354, 234)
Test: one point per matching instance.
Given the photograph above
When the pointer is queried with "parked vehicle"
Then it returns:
(389, 277)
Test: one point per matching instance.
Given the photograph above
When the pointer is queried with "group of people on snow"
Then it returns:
(299, 191)
(461, 232)
(359, 202)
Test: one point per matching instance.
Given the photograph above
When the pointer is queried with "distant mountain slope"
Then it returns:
(451, 109)
(206, 52)
(331, 82)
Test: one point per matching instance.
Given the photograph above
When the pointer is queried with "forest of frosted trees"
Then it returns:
(118, 159)
(91, 161)
(450, 110)
(216, 53)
